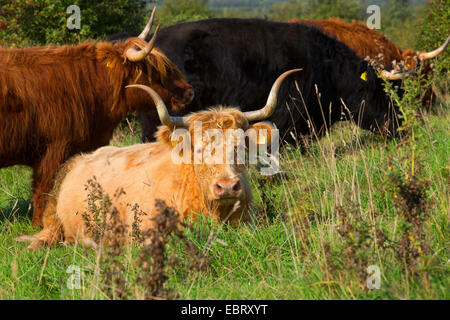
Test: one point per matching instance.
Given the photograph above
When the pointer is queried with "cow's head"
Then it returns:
(413, 59)
(385, 119)
(134, 61)
(213, 144)
(376, 111)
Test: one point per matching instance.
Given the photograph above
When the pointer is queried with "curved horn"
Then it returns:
(164, 116)
(434, 53)
(139, 55)
(396, 76)
(271, 103)
(148, 27)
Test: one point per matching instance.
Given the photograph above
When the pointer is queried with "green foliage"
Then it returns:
(317, 9)
(242, 3)
(397, 9)
(399, 21)
(435, 30)
(179, 11)
(292, 9)
(409, 101)
(25, 22)
(345, 9)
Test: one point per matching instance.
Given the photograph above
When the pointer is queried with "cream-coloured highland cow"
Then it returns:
(147, 172)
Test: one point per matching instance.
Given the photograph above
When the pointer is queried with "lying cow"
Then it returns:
(148, 172)
(59, 101)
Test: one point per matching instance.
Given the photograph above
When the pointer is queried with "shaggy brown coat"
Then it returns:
(364, 41)
(147, 172)
(59, 101)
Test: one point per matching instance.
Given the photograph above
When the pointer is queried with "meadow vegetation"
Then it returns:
(341, 203)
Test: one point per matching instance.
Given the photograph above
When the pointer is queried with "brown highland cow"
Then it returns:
(59, 101)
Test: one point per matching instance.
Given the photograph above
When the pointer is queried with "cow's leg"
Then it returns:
(43, 175)
(52, 232)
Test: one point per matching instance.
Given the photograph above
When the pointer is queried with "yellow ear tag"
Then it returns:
(173, 142)
(108, 64)
(262, 139)
(364, 76)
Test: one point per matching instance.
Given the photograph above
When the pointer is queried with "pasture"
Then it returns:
(351, 215)
(342, 203)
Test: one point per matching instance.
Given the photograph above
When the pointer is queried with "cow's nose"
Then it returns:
(227, 188)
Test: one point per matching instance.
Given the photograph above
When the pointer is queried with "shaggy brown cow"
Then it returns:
(370, 43)
(58, 101)
(147, 172)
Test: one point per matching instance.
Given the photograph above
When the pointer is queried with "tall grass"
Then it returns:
(342, 203)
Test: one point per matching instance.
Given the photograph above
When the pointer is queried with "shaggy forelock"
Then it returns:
(219, 118)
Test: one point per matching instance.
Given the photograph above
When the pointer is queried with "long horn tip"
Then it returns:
(148, 27)
(292, 71)
(269, 108)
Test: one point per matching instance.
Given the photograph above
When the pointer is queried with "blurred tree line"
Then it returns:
(37, 22)
(434, 30)
(436, 27)
(400, 19)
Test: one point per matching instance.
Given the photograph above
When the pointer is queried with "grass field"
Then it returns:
(344, 203)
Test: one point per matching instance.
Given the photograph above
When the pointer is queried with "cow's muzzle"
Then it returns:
(227, 189)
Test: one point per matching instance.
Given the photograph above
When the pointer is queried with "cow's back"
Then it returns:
(142, 171)
(234, 55)
(364, 41)
(50, 93)
(234, 62)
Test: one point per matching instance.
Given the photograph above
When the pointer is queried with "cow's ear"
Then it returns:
(164, 135)
(262, 132)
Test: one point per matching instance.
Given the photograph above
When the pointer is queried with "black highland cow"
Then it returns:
(235, 61)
